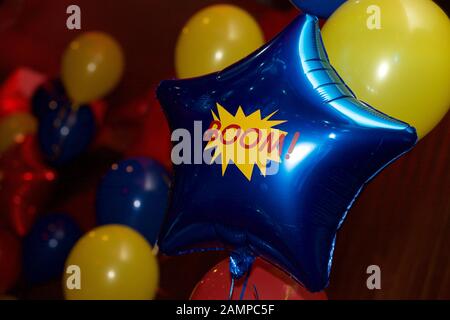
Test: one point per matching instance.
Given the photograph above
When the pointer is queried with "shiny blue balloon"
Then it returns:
(65, 133)
(320, 8)
(135, 193)
(290, 216)
(47, 246)
(49, 96)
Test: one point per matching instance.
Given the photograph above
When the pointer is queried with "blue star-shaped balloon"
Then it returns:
(290, 209)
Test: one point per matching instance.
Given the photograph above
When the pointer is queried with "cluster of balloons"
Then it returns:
(57, 126)
(92, 66)
(116, 259)
(392, 54)
(377, 63)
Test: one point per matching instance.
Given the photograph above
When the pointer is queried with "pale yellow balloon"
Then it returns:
(394, 55)
(215, 38)
(115, 263)
(14, 128)
(92, 66)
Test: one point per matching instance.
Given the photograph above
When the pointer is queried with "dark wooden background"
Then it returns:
(401, 222)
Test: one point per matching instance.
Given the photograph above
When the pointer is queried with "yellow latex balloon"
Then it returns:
(115, 263)
(215, 38)
(394, 55)
(14, 128)
(92, 65)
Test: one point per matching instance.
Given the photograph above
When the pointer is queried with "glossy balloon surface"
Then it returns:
(394, 54)
(265, 282)
(214, 38)
(91, 67)
(14, 128)
(135, 193)
(116, 263)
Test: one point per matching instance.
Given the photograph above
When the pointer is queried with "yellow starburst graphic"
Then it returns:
(244, 140)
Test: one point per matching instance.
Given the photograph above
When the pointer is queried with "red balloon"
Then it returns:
(153, 138)
(16, 91)
(10, 260)
(10, 104)
(138, 129)
(265, 282)
(25, 184)
(99, 108)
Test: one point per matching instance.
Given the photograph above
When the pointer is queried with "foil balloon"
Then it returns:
(269, 156)
(10, 260)
(47, 246)
(320, 8)
(264, 282)
(65, 133)
(26, 185)
(135, 193)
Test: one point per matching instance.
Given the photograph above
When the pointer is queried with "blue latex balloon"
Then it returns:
(334, 145)
(47, 246)
(135, 193)
(64, 133)
(320, 8)
(47, 97)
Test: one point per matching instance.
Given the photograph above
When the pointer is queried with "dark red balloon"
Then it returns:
(265, 282)
(25, 185)
(10, 260)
